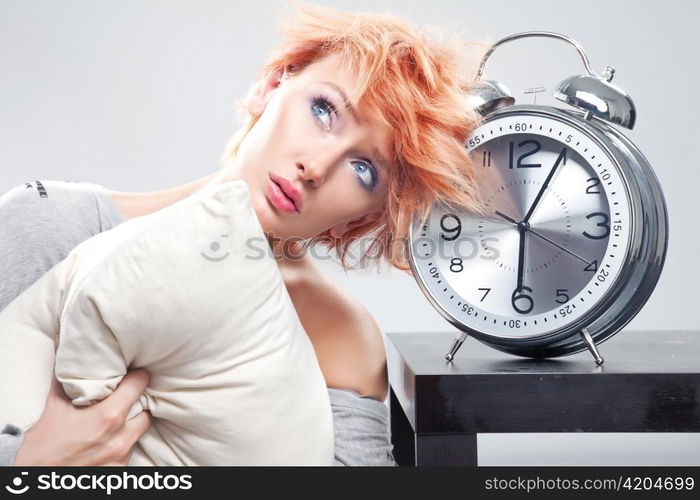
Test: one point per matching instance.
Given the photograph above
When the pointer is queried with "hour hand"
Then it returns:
(504, 216)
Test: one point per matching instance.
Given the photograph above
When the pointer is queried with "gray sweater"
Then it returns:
(42, 221)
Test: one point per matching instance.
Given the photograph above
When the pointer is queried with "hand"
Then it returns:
(560, 158)
(91, 435)
(521, 257)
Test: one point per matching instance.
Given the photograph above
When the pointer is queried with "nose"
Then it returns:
(312, 174)
(314, 169)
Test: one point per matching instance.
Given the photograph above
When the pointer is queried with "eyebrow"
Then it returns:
(379, 158)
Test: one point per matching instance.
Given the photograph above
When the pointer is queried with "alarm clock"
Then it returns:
(572, 230)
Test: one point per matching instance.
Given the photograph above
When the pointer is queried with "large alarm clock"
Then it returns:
(572, 230)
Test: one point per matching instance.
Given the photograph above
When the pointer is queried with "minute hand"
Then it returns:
(562, 156)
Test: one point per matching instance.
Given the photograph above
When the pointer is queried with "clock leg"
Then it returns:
(591, 346)
(456, 344)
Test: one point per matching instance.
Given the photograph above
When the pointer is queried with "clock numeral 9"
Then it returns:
(519, 163)
(521, 296)
(604, 224)
(456, 229)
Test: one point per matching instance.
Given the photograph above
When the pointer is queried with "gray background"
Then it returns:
(138, 95)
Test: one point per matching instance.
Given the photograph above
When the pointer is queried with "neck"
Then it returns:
(132, 205)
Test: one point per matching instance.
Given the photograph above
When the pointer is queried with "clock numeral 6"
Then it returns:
(519, 295)
(456, 227)
(604, 224)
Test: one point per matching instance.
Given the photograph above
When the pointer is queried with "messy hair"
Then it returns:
(410, 84)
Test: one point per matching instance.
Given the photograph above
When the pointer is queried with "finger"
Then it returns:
(137, 427)
(127, 393)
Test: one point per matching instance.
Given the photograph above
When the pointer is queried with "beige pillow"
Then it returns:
(192, 294)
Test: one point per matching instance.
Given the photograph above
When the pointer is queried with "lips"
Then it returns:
(287, 189)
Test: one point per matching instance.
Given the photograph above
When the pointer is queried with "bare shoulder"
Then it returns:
(347, 339)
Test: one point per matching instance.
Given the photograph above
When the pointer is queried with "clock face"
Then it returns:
(550, 239)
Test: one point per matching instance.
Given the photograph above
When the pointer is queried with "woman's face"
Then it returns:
(306, 135)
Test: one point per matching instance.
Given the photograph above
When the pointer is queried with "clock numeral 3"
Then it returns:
(604, 224)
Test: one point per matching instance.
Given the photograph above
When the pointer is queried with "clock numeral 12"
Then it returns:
(519, 163)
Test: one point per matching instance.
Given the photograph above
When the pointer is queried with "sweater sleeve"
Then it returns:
(361, 430)
(11, 439)
(40, 223)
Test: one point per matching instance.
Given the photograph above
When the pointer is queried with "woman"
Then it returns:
(356, 123)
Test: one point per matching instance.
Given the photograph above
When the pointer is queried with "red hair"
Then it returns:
(411, 85)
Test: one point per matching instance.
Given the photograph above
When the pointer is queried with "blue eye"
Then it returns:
(367, 174)
(322, 103)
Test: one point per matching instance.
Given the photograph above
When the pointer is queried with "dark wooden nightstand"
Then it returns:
(650, 382)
